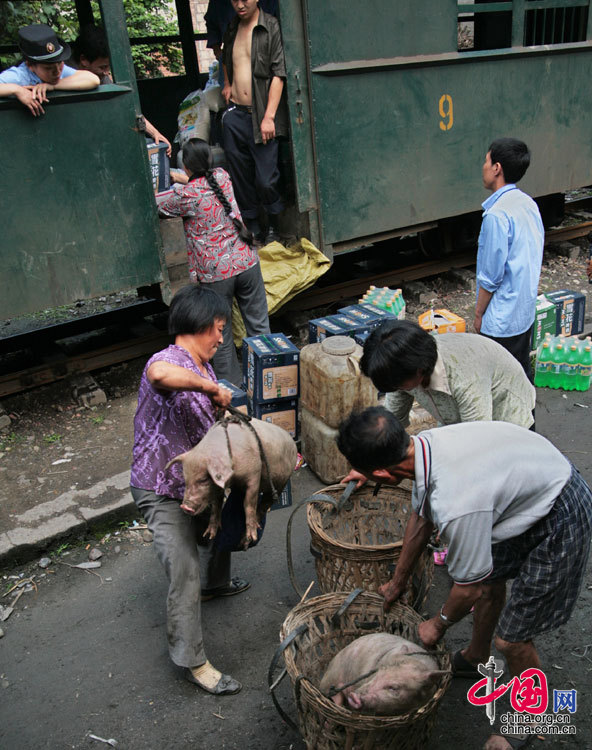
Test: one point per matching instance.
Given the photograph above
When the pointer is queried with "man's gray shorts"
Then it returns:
(547, 564)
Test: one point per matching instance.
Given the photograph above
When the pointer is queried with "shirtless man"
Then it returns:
(254, 74)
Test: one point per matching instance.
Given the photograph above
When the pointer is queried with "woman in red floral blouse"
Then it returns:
(219, 247)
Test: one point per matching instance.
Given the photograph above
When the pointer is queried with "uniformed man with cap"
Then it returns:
(42, 69)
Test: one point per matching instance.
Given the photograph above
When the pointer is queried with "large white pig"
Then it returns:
(403, 676)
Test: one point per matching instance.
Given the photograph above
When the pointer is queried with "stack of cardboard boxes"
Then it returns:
(271, 379)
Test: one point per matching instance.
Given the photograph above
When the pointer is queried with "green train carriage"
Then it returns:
(389, 124)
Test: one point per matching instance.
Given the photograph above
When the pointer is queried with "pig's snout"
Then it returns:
(354, 701)
(188, 509)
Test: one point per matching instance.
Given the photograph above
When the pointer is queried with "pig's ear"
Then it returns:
(176, 459)
(220, 468)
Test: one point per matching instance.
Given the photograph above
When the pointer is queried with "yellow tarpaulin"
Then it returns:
(286, 271)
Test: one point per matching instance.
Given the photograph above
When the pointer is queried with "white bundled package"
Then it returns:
(194, 118)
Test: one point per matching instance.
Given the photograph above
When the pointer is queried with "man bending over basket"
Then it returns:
(508, 504)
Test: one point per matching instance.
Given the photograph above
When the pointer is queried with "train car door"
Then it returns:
(78, 210)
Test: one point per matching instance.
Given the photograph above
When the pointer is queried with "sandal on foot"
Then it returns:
(236, 586)
(211, 680)
(463, 668)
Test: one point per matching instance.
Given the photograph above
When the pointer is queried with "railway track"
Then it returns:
(69, 355)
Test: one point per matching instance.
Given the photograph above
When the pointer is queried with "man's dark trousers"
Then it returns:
(253, 167)
(519, 348)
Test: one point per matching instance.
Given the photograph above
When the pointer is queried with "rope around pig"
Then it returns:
(237, 417)
(334, 691)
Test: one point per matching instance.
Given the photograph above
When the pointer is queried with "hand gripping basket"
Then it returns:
(312, 633)
(356, 539)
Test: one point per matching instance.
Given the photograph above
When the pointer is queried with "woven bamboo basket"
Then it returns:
(359, 546)
(316, 630)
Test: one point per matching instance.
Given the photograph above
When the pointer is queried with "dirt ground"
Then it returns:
(52, 446)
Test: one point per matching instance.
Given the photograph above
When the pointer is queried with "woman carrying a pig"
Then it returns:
(220, 249)
(177, 404)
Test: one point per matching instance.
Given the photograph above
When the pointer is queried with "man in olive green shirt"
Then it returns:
(456, 377)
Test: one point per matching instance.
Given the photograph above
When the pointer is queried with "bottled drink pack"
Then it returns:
(564, 363)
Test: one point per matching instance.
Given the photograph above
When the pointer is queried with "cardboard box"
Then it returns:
(335, 325)
(570, 308)
(271, 367)
(384, 314)
(544, 320)
(320, 328)
(441, 321)
(239, 397)
(360, 338)
(285, 498)
(363, 314)
(283, 413)
(159, 166)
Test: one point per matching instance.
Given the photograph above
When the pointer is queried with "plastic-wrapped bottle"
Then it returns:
(585, 367)
(557, 360)
(398, 302)
(571, 367)
(543, 363)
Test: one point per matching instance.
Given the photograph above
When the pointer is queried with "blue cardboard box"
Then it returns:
(285, 498)
(570, 308)
(239, 397)
(283, 413)
(320, 328)
(334, 325)
(360, 338)
(378, 311)
(363, 314)
(159, 166)
(271, 367)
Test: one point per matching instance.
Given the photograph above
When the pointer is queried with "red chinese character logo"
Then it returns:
(526, 696)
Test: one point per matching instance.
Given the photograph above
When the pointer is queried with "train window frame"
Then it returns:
(89, 11)
(521, 23)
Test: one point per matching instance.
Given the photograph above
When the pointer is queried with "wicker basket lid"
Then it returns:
(340, 346)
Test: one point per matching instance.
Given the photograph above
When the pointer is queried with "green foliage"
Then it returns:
(144, 18)
(152, 18)
(7, 441)
(53, 437)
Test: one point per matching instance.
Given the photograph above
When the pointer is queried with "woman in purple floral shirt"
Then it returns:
(219, 247)
(177, 404)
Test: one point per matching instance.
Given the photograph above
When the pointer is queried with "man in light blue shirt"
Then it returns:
(510, 252)
(42, 70)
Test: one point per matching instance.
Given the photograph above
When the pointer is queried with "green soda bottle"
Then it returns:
(585, 368)
(543, 364)
(557, 359)
(397, 306)
(571, 367)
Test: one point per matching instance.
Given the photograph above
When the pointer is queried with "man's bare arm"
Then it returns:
(483, 301)
(273, 102)
(417, 535)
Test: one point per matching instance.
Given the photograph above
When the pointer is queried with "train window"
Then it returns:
(555, 25)
(481, 28)
(491, 24)
(153, 29)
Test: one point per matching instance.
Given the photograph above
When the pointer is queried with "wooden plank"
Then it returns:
(86, 362)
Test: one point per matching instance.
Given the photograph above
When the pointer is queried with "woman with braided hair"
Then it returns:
(219, 247)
